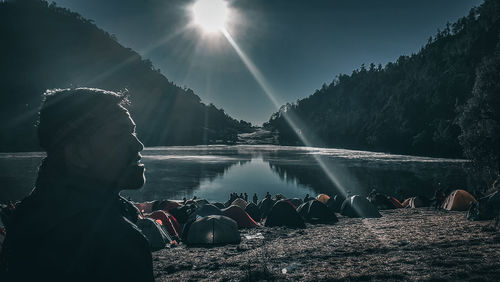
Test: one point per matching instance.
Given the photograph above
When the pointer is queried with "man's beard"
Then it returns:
(132, 178)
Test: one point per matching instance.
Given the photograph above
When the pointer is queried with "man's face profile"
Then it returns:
(111, 153)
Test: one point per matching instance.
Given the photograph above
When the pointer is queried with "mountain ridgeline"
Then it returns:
(411, 106)
(45, 47)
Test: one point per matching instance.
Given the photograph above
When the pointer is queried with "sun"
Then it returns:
(211, 15)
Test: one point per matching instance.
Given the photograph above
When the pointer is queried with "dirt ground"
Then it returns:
(405, 244)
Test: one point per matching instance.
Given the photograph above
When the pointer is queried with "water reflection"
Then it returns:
(174, 178)
(213, 172)
(250, 178)
(398, 180)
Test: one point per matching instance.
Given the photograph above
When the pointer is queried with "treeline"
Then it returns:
(411, 106)
(45, 46)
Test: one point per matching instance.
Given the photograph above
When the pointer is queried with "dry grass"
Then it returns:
(409, 244)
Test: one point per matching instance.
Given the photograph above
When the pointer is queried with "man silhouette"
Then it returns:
(74, 225)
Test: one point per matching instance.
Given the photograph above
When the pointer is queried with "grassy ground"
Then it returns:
(405, 244)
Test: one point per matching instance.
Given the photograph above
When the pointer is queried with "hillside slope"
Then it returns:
(409, 106)
(44, 47)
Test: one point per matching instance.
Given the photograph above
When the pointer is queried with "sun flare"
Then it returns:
(211, 15)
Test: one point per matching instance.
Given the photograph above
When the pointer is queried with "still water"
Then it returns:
(212, 172)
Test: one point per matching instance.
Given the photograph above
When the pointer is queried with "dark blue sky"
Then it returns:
(296, 45)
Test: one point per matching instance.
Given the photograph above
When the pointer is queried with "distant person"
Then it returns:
(268, 196)
(246, 197)
(439, 198)
(241, 196)
(74, 226)
(307, 198)
(255, 199)
(232, 196)
(476, 192)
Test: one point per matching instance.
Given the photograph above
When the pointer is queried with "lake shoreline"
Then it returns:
(405, 244)
(213, 172)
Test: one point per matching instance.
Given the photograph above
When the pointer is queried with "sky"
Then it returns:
(293, 46)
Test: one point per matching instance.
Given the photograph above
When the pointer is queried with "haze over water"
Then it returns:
(212, 172)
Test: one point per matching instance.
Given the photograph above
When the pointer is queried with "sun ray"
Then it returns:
(293, 121)
(118, 67)
(269, 92)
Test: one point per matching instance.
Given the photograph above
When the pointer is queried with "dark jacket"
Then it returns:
(66, 231)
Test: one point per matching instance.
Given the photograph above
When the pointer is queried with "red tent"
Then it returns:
(240, 216)
(145, 207)
(167, 205)
(168, 221)
(397, 204)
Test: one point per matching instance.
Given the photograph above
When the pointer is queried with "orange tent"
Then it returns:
(406, 203)
(323, 198)
(458, 200)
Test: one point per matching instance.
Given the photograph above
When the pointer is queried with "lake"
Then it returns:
(212, 172)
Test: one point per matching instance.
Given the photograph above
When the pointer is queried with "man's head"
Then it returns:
(90, 134)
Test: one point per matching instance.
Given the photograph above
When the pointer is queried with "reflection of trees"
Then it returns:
(399, 179)
(173, 178)
(166, 178)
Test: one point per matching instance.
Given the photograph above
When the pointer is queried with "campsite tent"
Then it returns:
(165, 205)
(323, 198)
(397, 204)
(207, 210)
(283, 214)
(278, 197)
(219, 205)
(384, 202)
(240, 216)
(334, 203)
(157, 237)
(240, 203)
(191, 202)
(253, 211)
(486, 208)
(145, 207)
(316, 212)
(358, 206)
(201, 202)
(296, 201)
(167, 221)
(405, 203)
(183, 213)
(265, 207)
(458, 200)
(213, 230)
(416, 202)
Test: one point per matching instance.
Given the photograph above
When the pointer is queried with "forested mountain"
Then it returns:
(44, 47)
(410, 106)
